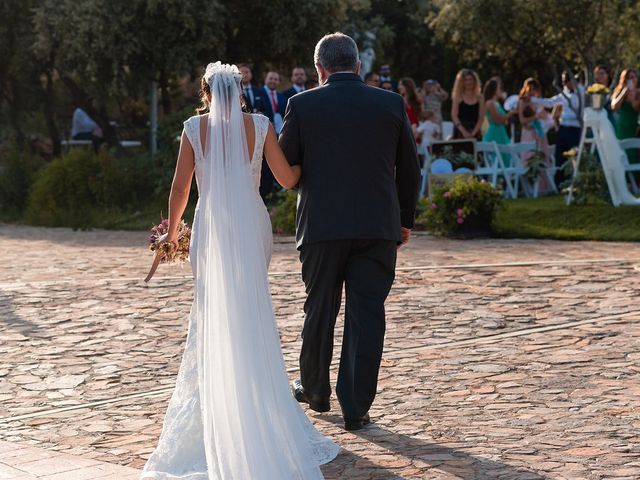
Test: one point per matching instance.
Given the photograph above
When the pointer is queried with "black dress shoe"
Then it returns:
(356, 423)
(316, 402)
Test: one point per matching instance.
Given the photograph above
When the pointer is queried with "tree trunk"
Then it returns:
(165, 97)
(49, 115)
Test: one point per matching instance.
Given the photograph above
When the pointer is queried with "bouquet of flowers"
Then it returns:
(166, 252)
(597, 88)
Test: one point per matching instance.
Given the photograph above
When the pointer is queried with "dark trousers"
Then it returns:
(366, 268)
(566, 139)
(267, 182)
(96, 141)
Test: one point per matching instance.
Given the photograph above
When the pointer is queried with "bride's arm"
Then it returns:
(180, 187)
(286, 175)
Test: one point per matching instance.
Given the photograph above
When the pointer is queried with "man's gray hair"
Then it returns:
(337, 52)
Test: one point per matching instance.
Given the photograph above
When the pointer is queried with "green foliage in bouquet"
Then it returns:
(465, 208)
(590, 184)
(283, 212)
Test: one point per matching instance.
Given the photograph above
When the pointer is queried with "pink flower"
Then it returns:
(434, 206)
(460, 220)
(447, 194)
(460, 212)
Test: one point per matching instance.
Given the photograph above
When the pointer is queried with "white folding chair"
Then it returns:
(447, 130)
(508, 172)
(629, 167)
(520, 167)
(487, 161)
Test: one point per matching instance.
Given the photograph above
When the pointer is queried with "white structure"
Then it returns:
(612, 157)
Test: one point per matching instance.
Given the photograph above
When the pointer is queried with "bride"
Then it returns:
(232, 415)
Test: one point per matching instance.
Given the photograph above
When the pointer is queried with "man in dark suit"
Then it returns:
(251, 93)
(385, 76)
(356, 205)
(298, 80)
(271, 104)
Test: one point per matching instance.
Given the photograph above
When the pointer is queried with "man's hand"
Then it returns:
(405, 235)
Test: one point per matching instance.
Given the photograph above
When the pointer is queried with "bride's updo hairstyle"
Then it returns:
(205, 93)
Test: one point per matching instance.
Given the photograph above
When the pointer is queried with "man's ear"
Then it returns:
(358, 67)
(322, 74)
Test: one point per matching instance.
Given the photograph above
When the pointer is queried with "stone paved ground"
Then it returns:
(504, 359)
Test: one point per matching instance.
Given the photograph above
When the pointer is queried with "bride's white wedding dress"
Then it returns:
(232, 415)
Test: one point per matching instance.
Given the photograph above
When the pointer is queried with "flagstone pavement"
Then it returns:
(507, 359)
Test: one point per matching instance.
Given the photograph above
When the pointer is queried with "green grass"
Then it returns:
(549, 217)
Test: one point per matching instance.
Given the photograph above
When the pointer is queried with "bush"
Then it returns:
(72, 191)
(466, 208)
(17, 173)
(283, 213)
(590, 184)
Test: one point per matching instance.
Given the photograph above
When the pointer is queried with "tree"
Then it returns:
(518, 38)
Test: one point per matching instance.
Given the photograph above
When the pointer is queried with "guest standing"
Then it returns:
(249, 92)
(603, 77)
(407, 89)
(372, 79)
(496, 115)
(385, 76)
(272, 105)
(433, 97)
(298, 80)
(467, 110)
(626, 101)
(571, 100)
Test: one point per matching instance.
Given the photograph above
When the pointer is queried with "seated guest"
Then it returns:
(83, 127)
(372, 79)
(298, 79)
(250, 93)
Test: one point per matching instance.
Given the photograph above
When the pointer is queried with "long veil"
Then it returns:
(240, 365)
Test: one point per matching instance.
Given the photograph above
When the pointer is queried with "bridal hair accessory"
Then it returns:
(166, 252)
(224, 69)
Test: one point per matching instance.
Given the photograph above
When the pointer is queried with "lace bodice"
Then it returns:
(261, 123)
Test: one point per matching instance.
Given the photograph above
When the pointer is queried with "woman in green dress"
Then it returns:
(626, 102)
(496, 115)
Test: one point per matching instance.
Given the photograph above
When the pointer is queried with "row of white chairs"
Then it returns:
(490, 164)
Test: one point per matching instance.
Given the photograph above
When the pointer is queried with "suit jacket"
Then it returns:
(360, 173)
(257, 94)
(263, 104)
(290, 92)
